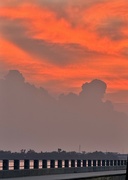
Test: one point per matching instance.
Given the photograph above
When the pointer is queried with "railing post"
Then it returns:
(52, 164)
(66, 164)
(59, 163)
(72, 163)
(103, 162)
(5, 164)
(115, 162)
(84, 163)
(89, 163)
(107, 163)
(44, 164)
(122, 163)
(118, 162)
(111, 162)
(26, 164)
(78, 163)
(99, 162)
(125, 162)
(36, 164)
(16, 164)
(94, 163)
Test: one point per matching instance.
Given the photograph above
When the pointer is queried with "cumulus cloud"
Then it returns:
(119, 99)
(95, 89)
(31, 118)
(121, 94)
(99, 123)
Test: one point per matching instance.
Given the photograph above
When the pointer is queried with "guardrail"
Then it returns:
(48, 164)
(22, 168)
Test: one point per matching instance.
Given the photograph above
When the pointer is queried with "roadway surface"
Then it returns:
(71, 176)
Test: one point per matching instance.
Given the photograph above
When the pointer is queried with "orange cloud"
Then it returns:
(60, 47)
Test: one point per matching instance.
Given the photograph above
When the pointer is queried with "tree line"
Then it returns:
(60, 154)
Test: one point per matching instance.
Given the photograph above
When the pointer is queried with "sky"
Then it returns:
(60, 45)
(30, 118)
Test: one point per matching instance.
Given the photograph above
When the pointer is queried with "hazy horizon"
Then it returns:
(32, 119)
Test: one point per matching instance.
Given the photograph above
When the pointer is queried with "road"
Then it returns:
(70, 176)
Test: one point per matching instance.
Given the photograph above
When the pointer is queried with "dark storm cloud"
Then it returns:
(32, 118)
(111, 28)
(60, 54)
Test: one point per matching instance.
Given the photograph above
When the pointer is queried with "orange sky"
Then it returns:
(60, 44)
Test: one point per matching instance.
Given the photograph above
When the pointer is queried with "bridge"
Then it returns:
(62, 169)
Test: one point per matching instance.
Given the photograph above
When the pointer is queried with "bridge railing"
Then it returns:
(50, 164)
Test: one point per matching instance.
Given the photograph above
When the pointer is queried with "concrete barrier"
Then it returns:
(52, 171)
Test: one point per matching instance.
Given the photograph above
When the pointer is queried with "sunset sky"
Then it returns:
(61, 44)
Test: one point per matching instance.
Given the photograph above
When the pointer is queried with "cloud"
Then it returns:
(71, 11)
(15, 76)
(124, 52)
(120, 96)
(73, 22)
(53, 52)
(33, 119)
(121, 107)
(9, 3)
(112, 28)
(119, 99)
(95, 117)
(56, 53)
(63, 43)
(95, 89)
